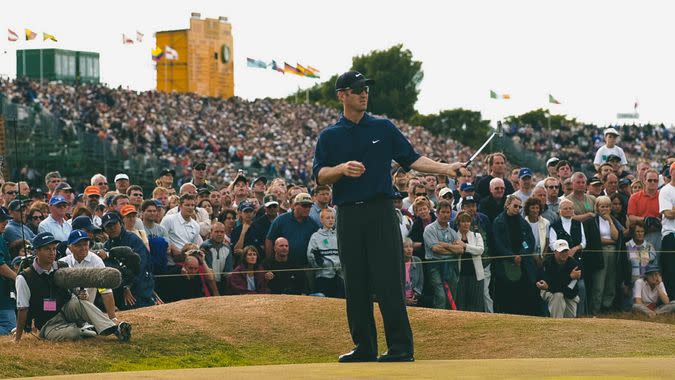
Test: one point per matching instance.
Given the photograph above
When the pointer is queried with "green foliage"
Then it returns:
(397, 77)
(541, 118)
(462, 125)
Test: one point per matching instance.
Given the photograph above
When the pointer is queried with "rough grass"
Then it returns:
(253, 330)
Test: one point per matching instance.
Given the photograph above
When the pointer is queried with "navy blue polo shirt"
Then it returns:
(297, 234)
(375, 142)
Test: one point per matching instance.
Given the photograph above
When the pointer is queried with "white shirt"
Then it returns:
(604, 152)
(567, 226)
(181, 231)
(535, 231)
(59, 230)
(666, 202)
(646, 293)
(89, 261)
(605, 229)
(202, 217)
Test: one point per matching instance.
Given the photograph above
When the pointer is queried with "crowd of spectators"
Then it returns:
(274, 138)
(496, 238)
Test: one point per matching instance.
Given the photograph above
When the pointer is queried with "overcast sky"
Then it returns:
(596, 57)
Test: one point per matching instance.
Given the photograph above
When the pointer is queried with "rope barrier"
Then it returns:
(436, 261)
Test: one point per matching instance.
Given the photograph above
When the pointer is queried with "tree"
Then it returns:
(397, 77)
(540, 118)
(465, 126)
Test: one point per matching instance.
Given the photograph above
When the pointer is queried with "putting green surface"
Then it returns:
(578, 368)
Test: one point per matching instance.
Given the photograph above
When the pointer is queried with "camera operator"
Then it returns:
(57, 313)
(82, 257)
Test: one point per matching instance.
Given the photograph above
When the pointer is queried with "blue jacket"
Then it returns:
(143, 285)
(13, 232)
(502, 246)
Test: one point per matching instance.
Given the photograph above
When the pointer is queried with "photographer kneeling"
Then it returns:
(58, 314)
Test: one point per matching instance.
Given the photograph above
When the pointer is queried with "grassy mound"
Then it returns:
(251, 330)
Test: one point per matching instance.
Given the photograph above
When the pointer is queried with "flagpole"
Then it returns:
(166, 86)
(40, 64)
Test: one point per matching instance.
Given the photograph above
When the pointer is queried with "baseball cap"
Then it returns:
(561, 245)
(594, 181)
(259, 179)
(109, 218)
(240, 178)
(203, 190)
(63, 186)
(469, 199)
(652, 268)
(398, 195)
(37, 193)
(57, 199)
(121, 176)
(611, 131)
(303, 198)
(43, 238)
(4, 215)
(444, 191)
(352, 79)
(624, 182)
(200, 166)
(613, 157)
(270, 200)
(84, 222)
(524, 172)
(77, 236)
(128, 209)
(92, 190)
(553, 161)
(467, 186)
(16, 205)
(170, 172)
(246, 205)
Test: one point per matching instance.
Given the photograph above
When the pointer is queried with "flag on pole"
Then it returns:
(552, 100)
(316, 72)
(255, 63)
(506, 96)
(290, 69)
(635, 106)
(157, 54)
(170, 53)
(30, 35)
(126, 39)
(12, 36)
(47, 36)
(139, 36)
(276, 67)
(493, 94)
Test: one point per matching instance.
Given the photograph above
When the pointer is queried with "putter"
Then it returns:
(480, 149)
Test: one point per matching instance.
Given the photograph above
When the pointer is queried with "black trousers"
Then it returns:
(371, 254)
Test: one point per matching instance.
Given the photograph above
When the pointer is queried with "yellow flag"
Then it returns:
(30, 35)
(47, 36)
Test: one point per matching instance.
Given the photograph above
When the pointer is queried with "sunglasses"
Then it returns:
(649, 180)
(137, 195)
(518, 206)
(420, 194)
(10, 192)
(37, 217)
(553, 187)
(360, 90)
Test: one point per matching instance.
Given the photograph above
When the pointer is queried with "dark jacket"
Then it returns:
(592, 255)
(143, 285)
(417, 234)
(557, 276)
(237, 284)
(490, 207)
(502, 246)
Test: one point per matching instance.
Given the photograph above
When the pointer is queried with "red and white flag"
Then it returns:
(126, 39)
(12, 36)
(139, 36)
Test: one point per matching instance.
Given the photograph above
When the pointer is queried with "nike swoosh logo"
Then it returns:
(376, 141)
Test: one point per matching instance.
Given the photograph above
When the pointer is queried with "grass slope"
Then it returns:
(253, 330)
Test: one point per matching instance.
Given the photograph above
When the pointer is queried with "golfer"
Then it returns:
(355, 156)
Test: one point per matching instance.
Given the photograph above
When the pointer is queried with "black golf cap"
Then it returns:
(352, 79)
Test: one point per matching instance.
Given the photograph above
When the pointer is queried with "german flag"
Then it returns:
(291, 70)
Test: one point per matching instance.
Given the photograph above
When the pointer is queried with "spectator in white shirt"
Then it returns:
(181, 227)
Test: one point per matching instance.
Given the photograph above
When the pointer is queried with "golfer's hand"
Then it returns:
(452, 170)
(353, 169)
